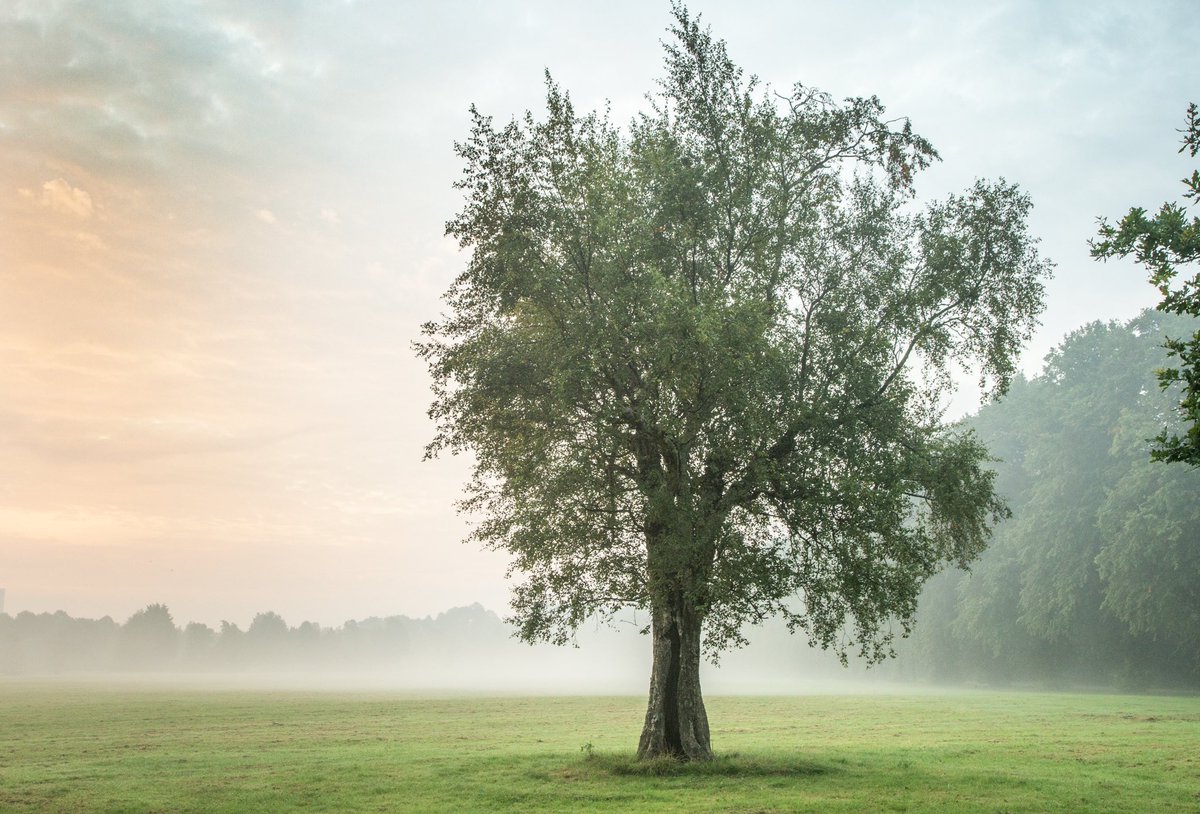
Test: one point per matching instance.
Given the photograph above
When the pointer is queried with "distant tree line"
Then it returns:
(1096, 577)
(47, 643)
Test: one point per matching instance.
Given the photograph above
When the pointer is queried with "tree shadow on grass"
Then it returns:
(731, 764)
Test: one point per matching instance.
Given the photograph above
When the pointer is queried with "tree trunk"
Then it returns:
(676, 723)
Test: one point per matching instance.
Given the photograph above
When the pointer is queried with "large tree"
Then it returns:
(1163, 243)
(698, 361)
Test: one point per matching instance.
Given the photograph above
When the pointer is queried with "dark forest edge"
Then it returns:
(1096, 578)
(1095, 581)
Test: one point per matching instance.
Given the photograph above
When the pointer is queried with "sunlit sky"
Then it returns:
(221, 227)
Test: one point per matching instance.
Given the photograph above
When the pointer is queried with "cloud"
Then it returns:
(65, 199)
(142, 92)
(266, 216)
(330, 216)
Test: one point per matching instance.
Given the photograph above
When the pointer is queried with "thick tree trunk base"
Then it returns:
(676, 722)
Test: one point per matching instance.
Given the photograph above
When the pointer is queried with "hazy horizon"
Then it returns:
(462, 650)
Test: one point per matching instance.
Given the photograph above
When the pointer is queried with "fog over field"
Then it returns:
(462, 650)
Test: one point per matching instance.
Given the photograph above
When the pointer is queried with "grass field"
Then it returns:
(72, 748)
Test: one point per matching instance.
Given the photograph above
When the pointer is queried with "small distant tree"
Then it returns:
(231, 643)
(699, 364)
(268, 627)
(149, 639)
(1163, 244)
(307, 635)
(267, 636)
(198, 642)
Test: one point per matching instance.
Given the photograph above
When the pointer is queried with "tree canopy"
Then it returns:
(699, 362)
(1162, 244)
(1095, 578)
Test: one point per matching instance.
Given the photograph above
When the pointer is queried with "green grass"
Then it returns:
(72, 748)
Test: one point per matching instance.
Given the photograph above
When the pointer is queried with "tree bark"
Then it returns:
(676, 723)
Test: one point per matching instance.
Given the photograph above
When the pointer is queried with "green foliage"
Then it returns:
(1095, 577)
(1162, 244)
(1150, 564)
(700, 357)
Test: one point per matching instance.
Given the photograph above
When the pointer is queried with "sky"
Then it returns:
(221, 227)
